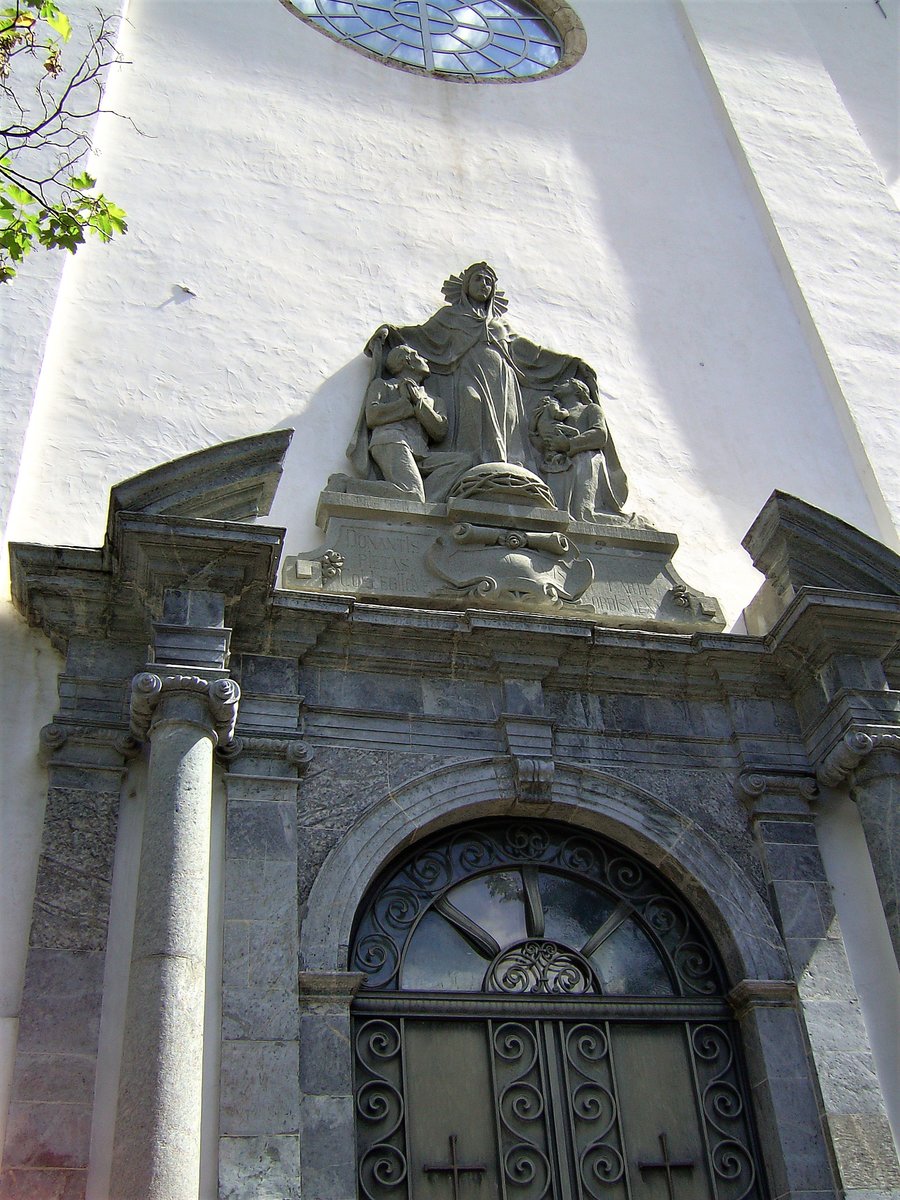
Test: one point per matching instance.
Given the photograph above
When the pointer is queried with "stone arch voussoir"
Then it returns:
(725, 899)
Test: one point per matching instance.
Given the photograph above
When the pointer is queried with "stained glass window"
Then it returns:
(474, 39)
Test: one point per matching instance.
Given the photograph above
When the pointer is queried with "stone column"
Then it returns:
(157, 1142)
(870, 762)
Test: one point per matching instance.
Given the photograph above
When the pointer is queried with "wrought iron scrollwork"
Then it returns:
(724, 1113)
(592, 1103)
(520, 1103)
(382, 1166)
(540, 966)
(429, 871)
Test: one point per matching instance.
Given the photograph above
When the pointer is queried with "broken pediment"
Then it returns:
(234, 481)
(796, 545)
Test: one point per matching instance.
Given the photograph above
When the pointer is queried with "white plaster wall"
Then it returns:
(27, 305)
(831, 222)
(859, 44)
(304, 193)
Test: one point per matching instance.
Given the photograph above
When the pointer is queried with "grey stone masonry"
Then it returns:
(368, 727)
(49, 1128)
(259, 1111)
(851, 1106)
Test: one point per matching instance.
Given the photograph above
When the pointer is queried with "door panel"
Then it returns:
(450, 1096)
(659, 1108)
(550, 1109)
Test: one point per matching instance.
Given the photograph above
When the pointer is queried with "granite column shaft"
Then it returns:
(157, 1144)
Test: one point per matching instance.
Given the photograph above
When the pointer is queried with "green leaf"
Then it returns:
(82, 182)
(57, 20)
(18, 195)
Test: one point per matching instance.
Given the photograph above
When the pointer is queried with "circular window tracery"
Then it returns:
(466, 40)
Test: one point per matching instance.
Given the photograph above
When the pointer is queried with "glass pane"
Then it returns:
(572, 911)
(438, 959)
(496, 903)
(455, 31)
(628, 964)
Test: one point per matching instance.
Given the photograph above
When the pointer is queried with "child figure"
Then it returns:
(577, 454)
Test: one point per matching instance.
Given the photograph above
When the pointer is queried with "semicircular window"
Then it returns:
(513, 908)
(474, 40)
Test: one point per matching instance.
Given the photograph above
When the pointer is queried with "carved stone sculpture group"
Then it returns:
(484, 475)
(463, 389)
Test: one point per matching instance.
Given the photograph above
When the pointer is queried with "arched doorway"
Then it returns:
(542, 1017)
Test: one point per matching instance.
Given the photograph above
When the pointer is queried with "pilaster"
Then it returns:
(49, 1128)
(328, 1133)
(259, 1113)
(850, 1106)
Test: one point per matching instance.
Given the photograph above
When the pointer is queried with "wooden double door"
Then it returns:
(527, 1100)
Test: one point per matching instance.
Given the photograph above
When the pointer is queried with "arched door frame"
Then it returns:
(740, 925)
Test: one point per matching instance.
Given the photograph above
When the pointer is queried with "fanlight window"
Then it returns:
(474, 39)
(512, 908)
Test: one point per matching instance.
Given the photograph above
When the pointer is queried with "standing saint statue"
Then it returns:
(488, 377)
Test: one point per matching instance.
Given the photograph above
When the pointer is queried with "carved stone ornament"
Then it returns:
(486, 474)
(222, 696)
(842, 760)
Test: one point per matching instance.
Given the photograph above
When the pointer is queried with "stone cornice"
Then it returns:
(119, 590)
(819, 624)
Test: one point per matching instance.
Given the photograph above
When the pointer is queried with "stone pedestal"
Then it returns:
(479, 553)
(157, 1144)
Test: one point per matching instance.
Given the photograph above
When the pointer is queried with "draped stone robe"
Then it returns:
(481, 369)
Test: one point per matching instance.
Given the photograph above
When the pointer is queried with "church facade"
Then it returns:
(394, 807)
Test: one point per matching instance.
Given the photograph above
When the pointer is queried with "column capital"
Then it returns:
(329, 990)
(147, 689)
(770, 791)
(854, 746)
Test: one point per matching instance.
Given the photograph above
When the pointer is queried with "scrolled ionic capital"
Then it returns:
(147, 689)
(760, 789)
(50, 739)
(842, 760)
(224, 697)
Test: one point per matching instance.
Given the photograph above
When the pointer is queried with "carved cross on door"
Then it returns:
(668, 1165)
(454, 1168)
